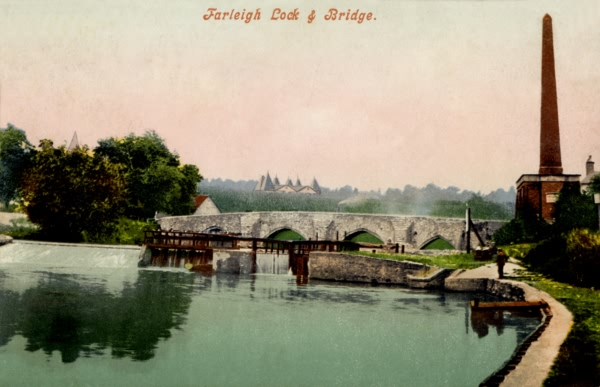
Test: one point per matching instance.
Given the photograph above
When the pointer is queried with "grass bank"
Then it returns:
(578, 361)
(452, 261)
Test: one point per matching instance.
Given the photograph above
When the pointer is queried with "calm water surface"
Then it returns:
(102, 326)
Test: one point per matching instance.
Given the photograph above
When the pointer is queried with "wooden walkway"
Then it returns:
(181, 240)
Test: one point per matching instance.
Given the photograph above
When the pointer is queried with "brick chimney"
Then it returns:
(550, 159)
(537, 194)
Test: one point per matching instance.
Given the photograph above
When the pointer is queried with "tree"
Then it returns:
(72, 196)
(575, 209)
(595, 184)
(15, 152)
(156, 181)
(527, 227)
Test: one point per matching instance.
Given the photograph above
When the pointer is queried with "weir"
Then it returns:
(272, 264)
(68, 255)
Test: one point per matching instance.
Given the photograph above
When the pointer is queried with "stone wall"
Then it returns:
(509, 290)
(355, 268)
(412, 231)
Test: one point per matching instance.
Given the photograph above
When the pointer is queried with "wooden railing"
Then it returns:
(201, 241)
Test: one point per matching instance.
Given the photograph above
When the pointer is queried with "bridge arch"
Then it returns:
(286, 234)
(437, 242)
(363, 235)
(214, 229)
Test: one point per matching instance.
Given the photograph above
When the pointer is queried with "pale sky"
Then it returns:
(443, 92)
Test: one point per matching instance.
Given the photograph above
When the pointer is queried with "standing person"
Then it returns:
(501, 261)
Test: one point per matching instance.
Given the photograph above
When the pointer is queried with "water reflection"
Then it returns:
(265, 327)
(76, 315)
(483, 320)
(62, 313)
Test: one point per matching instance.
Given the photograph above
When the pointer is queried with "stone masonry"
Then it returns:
(412, 231)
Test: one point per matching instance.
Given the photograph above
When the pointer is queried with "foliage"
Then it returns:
(287, 235)
(15, 152)
(128, 232)
(526, 228)
(227, 184)
(583, 257)
(518, 251)
(568, 251)
(450, 261)
(439, 244)
(572, 258)
(393, 202)
(575, 209)
(72, 195)
(548, 257)
(365, 237)
(242, 201)
(578, 360)
(156, 181)
(20, 228)
(594, 186)
(12, 207)
(480, 208)
(364, 206)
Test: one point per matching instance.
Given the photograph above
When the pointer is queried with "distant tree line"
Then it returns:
(231, 196)
(87, 194)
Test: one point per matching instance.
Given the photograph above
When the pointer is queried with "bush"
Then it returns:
(573, 258)
(549, 257)
(523, 229)
(575, 209)
(126, 232)
(583, 254)
(20, 228)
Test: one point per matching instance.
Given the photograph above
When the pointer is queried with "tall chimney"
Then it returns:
(550, 160)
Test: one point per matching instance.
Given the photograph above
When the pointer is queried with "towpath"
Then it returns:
(535, 365)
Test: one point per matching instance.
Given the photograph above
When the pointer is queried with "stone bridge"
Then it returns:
(415, 232)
